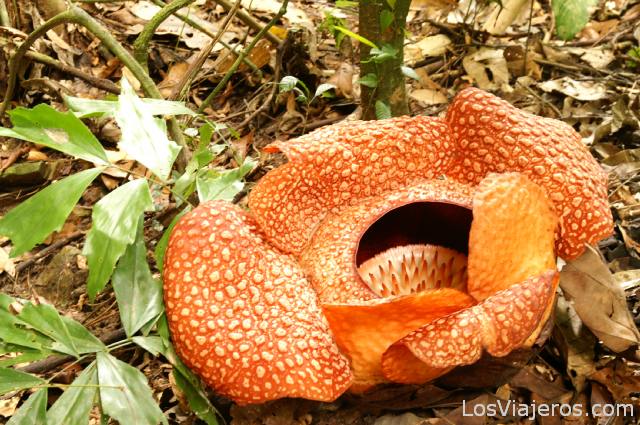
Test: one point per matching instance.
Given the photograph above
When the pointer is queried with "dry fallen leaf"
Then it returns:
(478, 63)
(429, 96)
(6, 264)
(503, 15)
(575, 342)
(404, 419)
(174, 76)
(343, 80)
(620, 378)
(434, 45)
(581, 90)
(599, 301)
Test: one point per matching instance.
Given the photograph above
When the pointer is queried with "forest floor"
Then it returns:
(591, 82)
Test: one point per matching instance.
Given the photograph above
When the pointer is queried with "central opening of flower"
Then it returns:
(417, 246)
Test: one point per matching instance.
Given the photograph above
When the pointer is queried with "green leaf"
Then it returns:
(91, 108)
(287, 83)
(61, 131)
(115, 220)
(70, 336)
(125, 394)
(144, 137)
(27, 355)
(33, 411)
(571, 16)
(410, 73)
(387, 52)
(323, 88)
(392, 4)
(15, 335)
(223, 185)
(13, 380)
(12, 332)
(152, 344)
(346, 3)
(33, 220)
(369, 80)
(386, 18)
(383, 111)
(74, 405)
(197, 400)
(139, 295)
(161, 247)
(355, 36)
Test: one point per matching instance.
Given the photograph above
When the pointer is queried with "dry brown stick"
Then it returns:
(272, 93)
(46, 251)
(188, 77)
(13, 157)
(100, 83)
(250, 21)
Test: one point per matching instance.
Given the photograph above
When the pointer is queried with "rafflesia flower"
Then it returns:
(384, 251)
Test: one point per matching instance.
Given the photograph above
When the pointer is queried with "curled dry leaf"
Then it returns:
(599, 301)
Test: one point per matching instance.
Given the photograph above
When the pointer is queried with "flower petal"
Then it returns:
(340, 164)
(493, 136)
(512, 234)
(364, 331)
(502, 323)
(243, 316)
(330, 258)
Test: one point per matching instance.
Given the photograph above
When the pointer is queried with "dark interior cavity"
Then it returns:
(435, 223)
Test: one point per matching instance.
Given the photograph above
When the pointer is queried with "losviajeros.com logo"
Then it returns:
(532, 410)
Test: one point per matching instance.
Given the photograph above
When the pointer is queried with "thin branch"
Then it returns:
(48, 250)
(179, 91)
(242, 55)
(80, 17)
(187, 20)
(270, 96)
(16, 59)
(250, 21)
(100, 83)
(141, 45)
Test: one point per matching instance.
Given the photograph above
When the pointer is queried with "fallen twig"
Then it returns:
(100, 83)
(179, 91)
(48, 250)
(241, 56)
(250, 21)
(187, 20)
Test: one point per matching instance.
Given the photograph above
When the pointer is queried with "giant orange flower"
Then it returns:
(384, 251)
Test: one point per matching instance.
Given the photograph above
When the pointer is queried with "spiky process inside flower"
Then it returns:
(404, 270)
